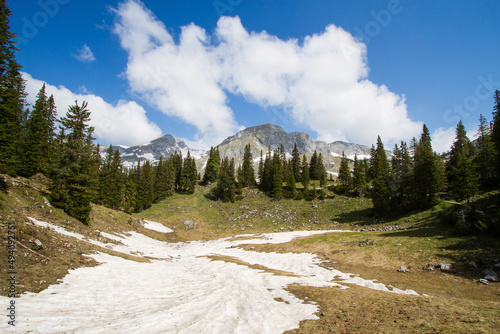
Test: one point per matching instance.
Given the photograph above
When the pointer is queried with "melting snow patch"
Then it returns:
(184, 291)
(150, 225)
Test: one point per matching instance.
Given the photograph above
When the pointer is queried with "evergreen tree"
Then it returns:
(247, 172)
(304, 176)
(402, 177)
(12, 97)
(161, 180)
(359, 176)
(189, 174)
(345, 178)
(75, 172)
(424, 171)
(485, 157)
(277, 176)
(145, 188)
(226, 183)
(295, 163)
(381, 179)
(213, 166)
(323, 175)
(290, 182)
(177, 164)
(460, 170)
(495, 132)
(39, 136)
(314, 167)
(459, 163)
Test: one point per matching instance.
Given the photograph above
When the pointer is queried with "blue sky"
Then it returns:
(339, 70)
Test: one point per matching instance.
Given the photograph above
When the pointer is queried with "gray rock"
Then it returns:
(403, 269)
(491, 278)
(484, 281)
(38, 244)
(471, 265)
(189, 225)
(444, 266)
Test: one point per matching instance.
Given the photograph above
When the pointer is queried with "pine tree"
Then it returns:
(314, 167)
(290, 182)
(460, 169)
(277, 176)
(75, 172)
(145, 188)
(424, 171)
(402, 177)
(226, 183)
(495, 132)
(485, 157)
(177, 164)
(247, 172)
(189, 174)
(304, 176)
(381, 195)
(323, 175)
(12, 97)
(345, 178)
(213, 166)
(359, 176)
(295, 163)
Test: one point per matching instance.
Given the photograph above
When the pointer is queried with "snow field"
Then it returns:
(182, 292)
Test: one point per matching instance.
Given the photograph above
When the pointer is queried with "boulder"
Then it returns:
(403, 269)
(189, 225)
(444, 266)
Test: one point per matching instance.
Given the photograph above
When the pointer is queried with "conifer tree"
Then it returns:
(12, 97)
(402, 177)
(495, 132)
(145, 188)
(295, 163)
(314, 166)
(247, 178)
(460, 170)
(359, 176)
(75, 172)
(304, 176)
(161, 180)
(485, 157)
(226, 183)
(177, 164)
(277, 176)
(345, 173)
(424, 171)
(213, 166)
(39, 136)
(381, 180)
(290, 182)
(189, 174)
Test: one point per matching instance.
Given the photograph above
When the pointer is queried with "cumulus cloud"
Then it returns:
(85, 54)
(124, 123)
(320, 82)
(442, 139)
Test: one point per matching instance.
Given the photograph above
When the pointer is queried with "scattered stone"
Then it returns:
(471, 265)
(429, 267)
(47, 203)
(398, 244)
(38, 244)
(444, 266)
(189, 225)
(491, 278)
(252, 248)
(403, 269)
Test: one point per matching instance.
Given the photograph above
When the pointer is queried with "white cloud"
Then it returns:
(321, 82)
(85, 54)
(125, 123)
(442, 139)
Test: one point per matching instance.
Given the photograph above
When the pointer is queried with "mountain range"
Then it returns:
(260, 139)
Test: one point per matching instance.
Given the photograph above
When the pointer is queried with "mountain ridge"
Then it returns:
(260, 137)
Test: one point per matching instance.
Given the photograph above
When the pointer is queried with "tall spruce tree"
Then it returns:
(75, 171)
(495, 132)
(189, 174)
(213, 166)
(424, 171)
(359, 176)
(461, 174)
(12, 97)
(226, 183)
(345, 178)
(381, 195)
(39, 136)
(485, 157)
(247, 178)
(295, 163)
(305, 179)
